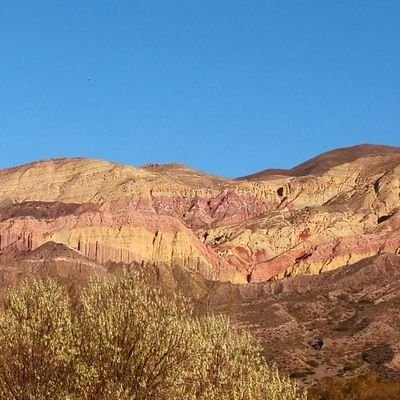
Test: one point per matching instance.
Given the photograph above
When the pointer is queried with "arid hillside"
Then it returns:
(307, 258)
(339, 323)
(332, 211)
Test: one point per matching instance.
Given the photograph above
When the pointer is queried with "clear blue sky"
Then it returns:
(226, 86)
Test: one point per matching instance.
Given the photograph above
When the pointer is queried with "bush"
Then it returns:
(36, 343)
(133, 342)
(229, 366)
(124, 341)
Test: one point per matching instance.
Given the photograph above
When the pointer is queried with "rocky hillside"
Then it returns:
(339, 323)
(209, 237)
(332, 211)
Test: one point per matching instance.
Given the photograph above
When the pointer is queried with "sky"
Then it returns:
(229, 87)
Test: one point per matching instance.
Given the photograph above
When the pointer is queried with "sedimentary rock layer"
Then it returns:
(336, 209)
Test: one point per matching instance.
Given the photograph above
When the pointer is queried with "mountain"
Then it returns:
(308, 259)
(228, 230)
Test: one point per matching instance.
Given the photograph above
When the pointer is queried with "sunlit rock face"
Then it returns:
(332, 211)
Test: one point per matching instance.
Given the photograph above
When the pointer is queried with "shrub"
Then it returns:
(125, 341)
(229, 365)
(133, 342)
(36, 343)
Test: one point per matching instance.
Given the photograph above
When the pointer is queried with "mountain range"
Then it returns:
(306, 258)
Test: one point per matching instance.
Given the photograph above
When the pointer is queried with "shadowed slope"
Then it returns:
(325, 161)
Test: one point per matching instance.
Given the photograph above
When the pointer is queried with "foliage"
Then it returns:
(229, 365)
(36, 343)
(125, 341)
(133, 342)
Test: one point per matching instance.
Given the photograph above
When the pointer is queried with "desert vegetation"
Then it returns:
(122, 340)
(370, 386)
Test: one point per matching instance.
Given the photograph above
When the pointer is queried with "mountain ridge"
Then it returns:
(329, 159)
(238, 230)
(343, 155)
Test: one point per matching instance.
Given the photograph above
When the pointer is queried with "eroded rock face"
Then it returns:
(121, 238)
(332, 211)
